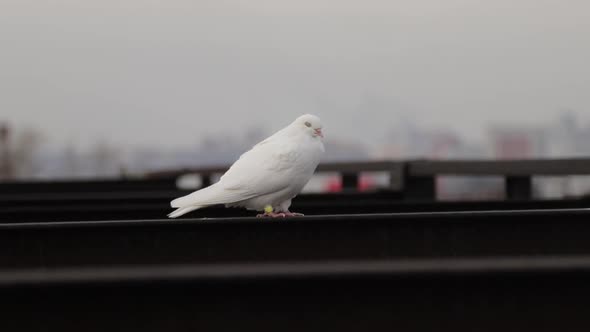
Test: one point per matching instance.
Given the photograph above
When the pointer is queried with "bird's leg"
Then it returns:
(285, 208)
(268, 210)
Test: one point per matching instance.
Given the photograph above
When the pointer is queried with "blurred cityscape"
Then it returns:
(25, 156)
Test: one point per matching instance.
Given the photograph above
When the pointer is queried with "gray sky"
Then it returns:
(164, 72)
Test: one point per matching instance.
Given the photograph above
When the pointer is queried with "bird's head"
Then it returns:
(310, 124)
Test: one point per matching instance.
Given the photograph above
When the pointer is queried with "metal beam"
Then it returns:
(318, 238)
(545, 298)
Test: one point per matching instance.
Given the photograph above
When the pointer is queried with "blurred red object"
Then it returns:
(335, 184)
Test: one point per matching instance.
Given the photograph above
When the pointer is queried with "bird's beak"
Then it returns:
(318, 132)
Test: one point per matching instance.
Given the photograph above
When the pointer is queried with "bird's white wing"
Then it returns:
(262, 170)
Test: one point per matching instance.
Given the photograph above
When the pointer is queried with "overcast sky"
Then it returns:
(164, 72)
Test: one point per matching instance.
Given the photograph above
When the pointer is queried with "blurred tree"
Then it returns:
(24, 153)
(5, 159)
(105, 160)
(71, 161)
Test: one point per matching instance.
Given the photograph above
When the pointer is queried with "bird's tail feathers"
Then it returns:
(183, 210)
(211, 195)
(205, 197)
(199, 197)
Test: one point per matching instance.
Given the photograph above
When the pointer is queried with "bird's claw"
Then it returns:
(294, 214)
(279, 215)
(271, 215)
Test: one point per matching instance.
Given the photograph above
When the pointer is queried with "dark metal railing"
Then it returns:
(517, 174)
(417, 179)
(350, 172)
(414, 180)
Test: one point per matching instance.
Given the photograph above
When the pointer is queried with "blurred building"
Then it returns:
(517, 142)
(567, 137)
(6, 171)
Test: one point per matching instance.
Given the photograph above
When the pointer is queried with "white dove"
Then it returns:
(266, 177)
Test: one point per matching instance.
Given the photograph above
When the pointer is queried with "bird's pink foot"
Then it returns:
(272, 215)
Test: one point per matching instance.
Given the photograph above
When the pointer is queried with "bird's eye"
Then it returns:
(308, 124)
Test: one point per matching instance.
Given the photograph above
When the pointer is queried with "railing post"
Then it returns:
(397, 177)
(350, 181)
(420, 188)
(519, 187)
